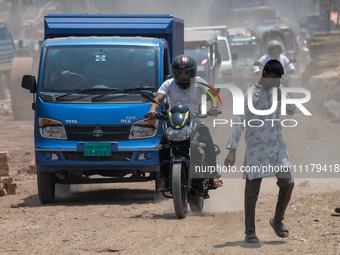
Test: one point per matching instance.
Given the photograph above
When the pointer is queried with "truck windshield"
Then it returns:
(109, 67)
(245, 49)
(201, 54)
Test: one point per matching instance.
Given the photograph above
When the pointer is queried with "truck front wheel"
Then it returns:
(46, 186)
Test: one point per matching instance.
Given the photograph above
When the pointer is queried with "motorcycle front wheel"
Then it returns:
(179, 189)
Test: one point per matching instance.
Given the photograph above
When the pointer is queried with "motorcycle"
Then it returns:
(182, 133)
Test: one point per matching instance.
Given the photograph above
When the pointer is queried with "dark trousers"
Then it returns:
(252, 189)
(209, 150)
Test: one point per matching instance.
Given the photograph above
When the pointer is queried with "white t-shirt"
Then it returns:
(190, 97)
(287, 66)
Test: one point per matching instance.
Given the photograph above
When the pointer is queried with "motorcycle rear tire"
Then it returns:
(179, 192)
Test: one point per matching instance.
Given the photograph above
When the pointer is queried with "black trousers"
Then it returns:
(285, 182)
(209, 150)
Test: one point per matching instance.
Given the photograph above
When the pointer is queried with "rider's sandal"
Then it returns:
(217, 183)
(163, 186)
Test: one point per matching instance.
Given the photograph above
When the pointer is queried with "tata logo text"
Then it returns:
(71, 121)
(238, 100)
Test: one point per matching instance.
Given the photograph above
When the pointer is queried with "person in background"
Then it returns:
(275, 50)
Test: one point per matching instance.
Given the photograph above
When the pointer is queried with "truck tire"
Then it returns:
(21, 98)
(179, 192)
(196, 203)
(46, 186)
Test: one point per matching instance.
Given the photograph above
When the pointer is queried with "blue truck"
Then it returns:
(90, 122)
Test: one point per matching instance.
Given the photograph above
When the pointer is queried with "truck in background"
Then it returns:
(202, 46)
(223, 59)
(7, 53)
(236, 13)
(246, 49)
(100, 129)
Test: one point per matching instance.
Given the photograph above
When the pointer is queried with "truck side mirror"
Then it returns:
(148, 95)
(234, 56)
(29, 82)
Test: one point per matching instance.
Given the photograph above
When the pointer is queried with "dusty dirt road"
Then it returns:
(127, 219)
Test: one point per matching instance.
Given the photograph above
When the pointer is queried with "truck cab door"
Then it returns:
(166, 64)
(166, 73)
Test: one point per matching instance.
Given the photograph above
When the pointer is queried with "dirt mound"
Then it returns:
(324, 52)
(324, 87)
(324, 71)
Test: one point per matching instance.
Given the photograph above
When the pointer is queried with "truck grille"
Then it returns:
(115, 156)
(108, 133)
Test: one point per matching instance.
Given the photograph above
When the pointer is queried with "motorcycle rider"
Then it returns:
(183, 88)
(275, 50)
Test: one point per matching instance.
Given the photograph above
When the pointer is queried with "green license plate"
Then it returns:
(97, 149)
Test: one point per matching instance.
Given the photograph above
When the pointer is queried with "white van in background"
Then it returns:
(225, 70)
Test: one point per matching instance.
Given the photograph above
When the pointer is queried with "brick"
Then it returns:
(3, 192)
(4, 166)
(5, 160)
(32, 169)
(6, 180)
(4, 172)
(11, 186)
(4, 154)
(11, 191)
(21, 171)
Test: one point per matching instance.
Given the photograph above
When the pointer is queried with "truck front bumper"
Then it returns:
(58, 160)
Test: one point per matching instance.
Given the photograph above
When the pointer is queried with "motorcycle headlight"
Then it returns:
(52, 129)
(144, 129)
(178, 134)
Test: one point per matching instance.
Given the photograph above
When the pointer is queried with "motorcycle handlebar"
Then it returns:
(161, 116)
(205, 115)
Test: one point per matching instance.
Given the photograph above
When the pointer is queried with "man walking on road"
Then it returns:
(265, 151)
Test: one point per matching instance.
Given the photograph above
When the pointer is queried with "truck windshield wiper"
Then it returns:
(122, 91)
(80, 91)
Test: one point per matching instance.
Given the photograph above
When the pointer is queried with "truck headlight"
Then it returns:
(144, 129)
(178, 134)
(51, 129)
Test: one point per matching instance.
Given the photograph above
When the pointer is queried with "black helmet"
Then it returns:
(184, 63)
(179, 116)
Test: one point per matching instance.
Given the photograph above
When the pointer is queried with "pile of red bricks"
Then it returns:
(6, 181)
